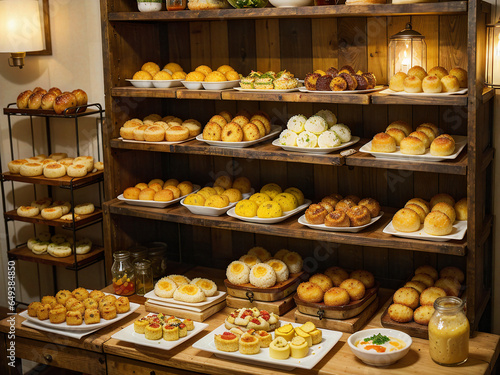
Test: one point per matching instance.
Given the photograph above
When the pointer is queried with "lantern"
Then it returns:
(406, 49)
(493, 55)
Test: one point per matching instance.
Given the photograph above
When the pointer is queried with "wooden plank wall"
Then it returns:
(300, 46)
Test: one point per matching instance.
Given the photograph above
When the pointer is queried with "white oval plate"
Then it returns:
(154, 204)
(417, 94)
(376, 88)
(156, 143)
(192, 85)
(207, 211)
(316, 150)
(275, 129)
(458, 233)
(302, 220)
(141, 83)
(460, 142)
(165, 84)
(271, 220)
(270, 90)
(220, 85)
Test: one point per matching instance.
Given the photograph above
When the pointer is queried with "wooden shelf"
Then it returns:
(183, 93)
(488, 94)
(297, 96)
(23, 253)
(134, 92)
(84, 219)
(61, 181)
(451, 7)
(262, 151)
(455, 166)
(372, 236)
(458, 100)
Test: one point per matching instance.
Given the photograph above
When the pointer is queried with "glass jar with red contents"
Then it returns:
(176, 4)
(123, 274)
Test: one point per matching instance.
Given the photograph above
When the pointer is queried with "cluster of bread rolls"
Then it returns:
(151, 70)
(243, 127)
(58, 245)
(158, 190)
(204, 73)
(335, 211)
(426, 136)
(424, 288)
(55, 165)
(437, 80)
(54, 99)
(336, 287)
(223, 192)
(343, 79)
(52, 210)
(437, 216)
(78, 306)
(155, 128)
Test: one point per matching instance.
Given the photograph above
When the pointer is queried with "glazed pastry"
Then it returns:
(337, 219)
(352, 84)
(347, 69)
(372, 205)
(279, 348)
(316, 214)
(362, 82)
(372, 80)
(323, 83)
(358, 216)
(338, 84)
(345, 204)
(333, 72)
(249, 344)
(310, 81)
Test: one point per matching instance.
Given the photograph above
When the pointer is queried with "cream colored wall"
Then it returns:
(76, 62)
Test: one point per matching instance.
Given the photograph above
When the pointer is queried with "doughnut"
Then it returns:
(442, 146)
(422, 315)
(450, 84)
(338, 84)
(92, 316)
(310, 292)
(417, 285)
(336, 297)
(453, 272)
(352, 83)
(88, 161)
(432, 84)
(372, 205)
(337, 275)
(28, 211)
(449, 284)
(446, 209)
(461, 209)
(344, 205)
(315, 214)
(31, 169)
(232, 132)
(76, 170)
(15, 165)
(429, 270)
(54, 170)
(430, 294)
(322, 280)
(419, 210)
(366, 277)
(358, 215)
(383, 142)
(423, 278)
(337, 218)
(406, 220)
(354, 287)
(407, 297)
(400, 313)
(396, 82)
(84, 209)
(422, 136)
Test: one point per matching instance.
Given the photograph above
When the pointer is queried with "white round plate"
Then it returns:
(165, 84)
(376, 88)
(207, 211)
(220, 85)
(316, 150)
(154, 204)
(272, 220)
(141, 83)
(192, 85)
(302, 220)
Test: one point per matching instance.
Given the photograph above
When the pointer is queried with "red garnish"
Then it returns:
(228, 336)
(154, 325)
(378, 348)
(263, 333)
(256, 321)
(182, 325)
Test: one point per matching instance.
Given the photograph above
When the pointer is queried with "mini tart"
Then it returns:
(316, 336)
(279, 348)
(74, 318)
(227, 342)
(92, 316)
(182, 330)
(265, 338)
(298, 347)
(171, 333)
(140, 325)
(153, 331)
(286, 331)
(249, 344)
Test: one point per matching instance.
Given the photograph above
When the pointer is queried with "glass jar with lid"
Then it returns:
(449, 332)
(123, 274)
(138, 252)
(176, 4)
(157, 254)
(143, 276)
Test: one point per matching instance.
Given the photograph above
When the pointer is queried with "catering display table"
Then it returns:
(99, 354)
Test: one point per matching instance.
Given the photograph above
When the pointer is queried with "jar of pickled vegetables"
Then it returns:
(143, 276)
(123, 274)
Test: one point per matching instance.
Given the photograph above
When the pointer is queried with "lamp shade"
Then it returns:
(20, 26)
(493, 55)
(406, 49)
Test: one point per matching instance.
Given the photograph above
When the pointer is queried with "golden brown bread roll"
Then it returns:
(427, 131)
(438, 71)
(63, 102)
(461, 209)
(432, 84)
(406, 220)
(55, 90)
(422, 136)
(40, 89)
(48, 101)
(81, 99)
(412, 146)
(401, 125)
(442, 146)
(396, 82)
(383, 142)
(442, 197)
(437, 224)
(397, 134)
(461, 75)
(446, 209)
(417, 71)
(22, 99)
(412, 84)
(35, 100)
(450, 83)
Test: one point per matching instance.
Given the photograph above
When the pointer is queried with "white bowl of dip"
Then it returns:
(376, 356)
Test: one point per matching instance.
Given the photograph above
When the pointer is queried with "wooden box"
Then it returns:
(279, 307)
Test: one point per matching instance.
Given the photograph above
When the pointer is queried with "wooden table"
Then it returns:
(99, 354)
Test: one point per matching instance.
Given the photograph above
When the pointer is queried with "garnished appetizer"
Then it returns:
(227, 342)
(156, 326)
(269, 80)
(380, 343)
(285, 81)
(247, 319)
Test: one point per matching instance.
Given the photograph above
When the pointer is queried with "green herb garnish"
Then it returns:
(378, 339)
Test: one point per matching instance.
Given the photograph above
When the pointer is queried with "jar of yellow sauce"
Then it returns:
(449, 332)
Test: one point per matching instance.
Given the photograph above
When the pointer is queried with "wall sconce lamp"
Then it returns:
(406, 49)
(20, 29)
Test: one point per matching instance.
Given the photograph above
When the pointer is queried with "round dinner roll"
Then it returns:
(449, 284)
(422, 315)
(64, 102)
(35, 100)
(27, 211)
(401, 125)
(450, 83)
(406, 220)
(400, 313)
(397, 82)
(47, 101)
(52, 213)
(336, 274)
(131, 193)
(442, 146)
(419, 210)
(422, 136)
(417, 285)
(31, 169)
(336, 297)
(322, 280)
(84, 209)
(310, 292)
(366, 277)
(429, 132)
(412, 84)
(424, 278)
(437, 224)
(407, 296)
(461, 209)
(66, 162)
(139, 132)
(174, 189)
(446, 209)
(429, 270)
(397, 134)
(383, 142)
(22, 99)
(58, 156)
(438, 71)
(430, 294)
(432, 84)
(453, 272)
(412, 146)
(177, 133)
(88, 161)
(461, 75)
(354, 287)
(420, 202)
(154, 133)
(54, 170)
(442, 197)
(185, 187)
(99, 166)
(417, 71)
(15, 165)
(164, 195)
(76, 170)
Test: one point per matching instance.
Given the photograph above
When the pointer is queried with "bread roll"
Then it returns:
(438, 71)
(48, 101)
(383, 142)
(412, 146)
(177, 133)
(417, 71)
(22, 99)
(450, 83)
(64, 102)
(427, 131)
(461, 209)
(15, 165)
(412, 84)
(432, 84)
(461, 75)
(446, 209)
(396, 82)
(154, 133)
(55, 90)
(402, 125)
(35, 100)
(442, 146)
(31, 169)
(406, 220)
(81, 99)
(437, 224)
(76, 170)
(422, 136)
(88, 161)
(442, 197)
(54, 170)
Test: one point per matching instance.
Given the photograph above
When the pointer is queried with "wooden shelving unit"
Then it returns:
(65, 181)
(261, 39)
(84, 219)
(23, 253)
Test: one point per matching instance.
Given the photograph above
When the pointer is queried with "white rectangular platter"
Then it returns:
(275, 129)
(315, 150)
(154, 204)
(128, 334)
(271, 220)
(460, 143)
(302, 220)
(199, 306)
(316, 352)
(458, 233)
(416, 95)
(270, 90)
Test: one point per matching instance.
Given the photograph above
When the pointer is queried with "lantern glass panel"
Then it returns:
(405, 53)
(493, 55)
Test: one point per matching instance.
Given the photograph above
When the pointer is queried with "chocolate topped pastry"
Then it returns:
(310, 81)
(323, 83)
(347, 69)
(372, 80)
(338, 84)
(333, 72)
(351, 82)
(362, 82)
